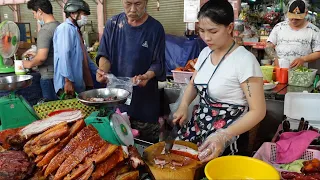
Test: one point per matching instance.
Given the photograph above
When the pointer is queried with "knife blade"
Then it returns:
(170, 138)
(165, 129)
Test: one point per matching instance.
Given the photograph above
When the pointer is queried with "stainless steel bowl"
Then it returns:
(121, 95)
(10, 83)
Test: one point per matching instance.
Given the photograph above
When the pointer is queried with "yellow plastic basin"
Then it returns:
(239, 167)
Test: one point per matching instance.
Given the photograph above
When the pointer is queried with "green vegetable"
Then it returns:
(303, 69)
(294, 166)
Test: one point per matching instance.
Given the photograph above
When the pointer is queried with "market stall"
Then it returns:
(62, 129)
(71, 143)
(68, 144)
(88, 137)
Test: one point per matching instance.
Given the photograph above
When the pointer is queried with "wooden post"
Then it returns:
(236, 4)
(15, 8)
(62, 9)
(101, 16)
(61, 3)
(18, 13)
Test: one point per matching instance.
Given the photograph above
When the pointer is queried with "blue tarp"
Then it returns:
(180, 49)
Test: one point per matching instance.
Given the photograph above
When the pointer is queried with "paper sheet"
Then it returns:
(191, 9)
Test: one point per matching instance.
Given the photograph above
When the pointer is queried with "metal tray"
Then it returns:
(121, 95)
(10, 83)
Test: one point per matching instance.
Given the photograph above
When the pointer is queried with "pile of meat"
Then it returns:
(14, 165)
(111, 98)
(189, 67)
(63, 147)
(309, 171)
(185, 156)
(78, 152)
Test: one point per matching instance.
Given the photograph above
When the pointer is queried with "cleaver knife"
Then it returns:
(169, 140)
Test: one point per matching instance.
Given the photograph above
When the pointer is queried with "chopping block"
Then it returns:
(192, 169)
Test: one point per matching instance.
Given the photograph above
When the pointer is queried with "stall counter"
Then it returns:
(279, 92)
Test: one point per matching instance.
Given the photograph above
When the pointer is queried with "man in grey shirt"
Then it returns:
(42, 11)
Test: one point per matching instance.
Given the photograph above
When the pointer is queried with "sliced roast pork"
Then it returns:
(183, 151)
(160, 162)
(42, 125)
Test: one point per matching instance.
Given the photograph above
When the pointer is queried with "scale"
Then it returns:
(111, 126)
(15, 110)
(9, 40)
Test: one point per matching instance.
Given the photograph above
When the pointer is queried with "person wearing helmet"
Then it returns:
(42, 12)
(74, 70)
(133, 45)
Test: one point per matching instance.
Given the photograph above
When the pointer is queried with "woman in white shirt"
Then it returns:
(229, 82)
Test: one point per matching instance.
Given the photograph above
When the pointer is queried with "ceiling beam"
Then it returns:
(12, 2)
(12, 7)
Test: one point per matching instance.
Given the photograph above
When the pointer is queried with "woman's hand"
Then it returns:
(181, 115)
(297, 62)
(101, 76)
(215, 145)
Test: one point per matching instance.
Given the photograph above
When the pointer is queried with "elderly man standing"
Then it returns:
(296, 40)
(133, 45)
(73, 68)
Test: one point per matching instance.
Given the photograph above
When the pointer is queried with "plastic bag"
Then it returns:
(30, 53)
(174, 106)
(122, 83)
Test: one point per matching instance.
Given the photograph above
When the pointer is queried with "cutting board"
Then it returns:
(190, 170)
